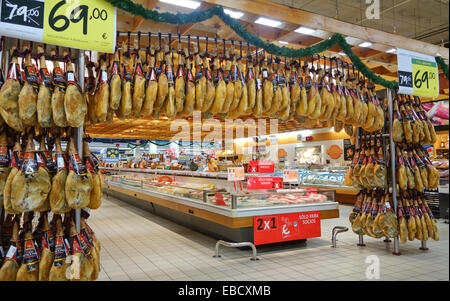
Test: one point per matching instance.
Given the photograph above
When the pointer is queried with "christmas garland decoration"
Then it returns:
(199, 16)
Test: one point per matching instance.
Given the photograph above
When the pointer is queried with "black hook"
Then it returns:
(189, 45)
(128, 42)
(224, 48)
(159, 35)
(170, 42)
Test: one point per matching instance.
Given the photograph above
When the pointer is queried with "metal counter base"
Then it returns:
(214, 224)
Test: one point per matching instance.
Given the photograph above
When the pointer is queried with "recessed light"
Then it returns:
(365, 44)
(233, 14)
(268, 22)
(305, 30)
(283, 42)
(185, 3)
(393, 50)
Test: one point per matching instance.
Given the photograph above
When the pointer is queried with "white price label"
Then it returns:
(236, 174)
(290, 176)
(11, 251)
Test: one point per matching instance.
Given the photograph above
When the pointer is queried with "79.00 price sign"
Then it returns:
(82, 24)
(417, 74)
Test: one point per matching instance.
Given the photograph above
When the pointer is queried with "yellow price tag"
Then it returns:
(425, 78)
(82, 24)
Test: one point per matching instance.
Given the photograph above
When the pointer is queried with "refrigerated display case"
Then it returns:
(209, 203)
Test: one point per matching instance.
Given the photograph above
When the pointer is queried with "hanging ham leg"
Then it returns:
(97, 182)
(29, 269)
(44, 98)
(74, 103)
(28, 95)
(59, 86)
(102, 91)
(139, 83)
(31, 185)
(10, 267)
(62, 251)
(9, 95)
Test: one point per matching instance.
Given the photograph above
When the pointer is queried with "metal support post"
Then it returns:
(423, 245)
(361, 241)
(394, 182)
(79, 131)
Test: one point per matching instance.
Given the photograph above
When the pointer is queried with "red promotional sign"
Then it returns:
(261, 167)
(285, 227)
(264, 183)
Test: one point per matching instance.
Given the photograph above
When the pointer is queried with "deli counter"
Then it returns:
(208, 203)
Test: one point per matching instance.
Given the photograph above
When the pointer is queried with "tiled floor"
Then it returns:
(137, 245)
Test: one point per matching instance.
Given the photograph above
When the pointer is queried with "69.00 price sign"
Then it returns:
(417, 74)
(83, 24)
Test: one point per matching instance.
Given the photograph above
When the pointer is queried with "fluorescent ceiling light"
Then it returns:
(283, 42)
(233, 14)
(393, 50)
(268, 22)
(305, 30)
(365, 44)
(342, 54)
(185, 3)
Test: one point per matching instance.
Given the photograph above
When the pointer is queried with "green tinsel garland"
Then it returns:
(199, 16)
(443, 65)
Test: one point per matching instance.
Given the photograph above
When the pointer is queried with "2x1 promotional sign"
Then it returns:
(285, 227)
(418, 74)
(254, 183)
(261, 167)
(82, 24)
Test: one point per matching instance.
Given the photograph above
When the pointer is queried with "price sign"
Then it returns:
(290, 176)
(254, 183)
(417, 74)
(261, 167)
(285, 227)
(236, 174)
(83, 24)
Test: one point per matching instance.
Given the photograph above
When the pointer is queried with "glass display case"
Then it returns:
(324, 176)
(216, 191)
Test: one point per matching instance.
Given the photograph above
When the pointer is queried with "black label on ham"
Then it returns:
(30, 255)
(226, 76)
(217, 75)
(45, 78)
(32, 77)
(4, 158)
(48, 241)
(49, 163)
(59, 80)
(127, 75)
(61, 251)
(16, 159)
(77, 166)
(87, 238)
(90, 164)
(170, 76)
(79, 245)
(30, 165)
(2, 79)
(234, 73)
